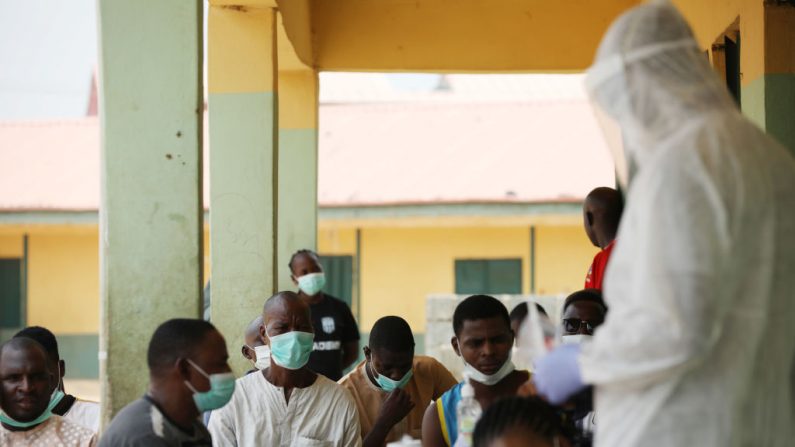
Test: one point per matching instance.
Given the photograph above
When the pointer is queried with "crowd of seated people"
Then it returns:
(294, 393)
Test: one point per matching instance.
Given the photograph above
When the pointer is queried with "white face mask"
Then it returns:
(575, 339)
(487, 379)
(263, 356)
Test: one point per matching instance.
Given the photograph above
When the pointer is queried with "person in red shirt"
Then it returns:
(601, 214)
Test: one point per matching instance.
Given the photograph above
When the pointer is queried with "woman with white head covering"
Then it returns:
(699, 345)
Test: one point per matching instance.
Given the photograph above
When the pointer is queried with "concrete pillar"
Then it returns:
(297, 214)
(769, 87)
(151, 215)
(242, 80)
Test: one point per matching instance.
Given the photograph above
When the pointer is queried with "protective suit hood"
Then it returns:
(698, 348)
(651, 78)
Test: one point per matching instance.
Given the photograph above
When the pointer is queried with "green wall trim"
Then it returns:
(450, 209)
(49, 217)
(81, 354)
(332, 213)
(753, 105)
(79, 351)
(769, 101)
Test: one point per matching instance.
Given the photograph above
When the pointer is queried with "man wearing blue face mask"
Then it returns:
(336, 344)
(188, 375)
(287, 403)
(484, 340)
(391, 385)
(27, 400)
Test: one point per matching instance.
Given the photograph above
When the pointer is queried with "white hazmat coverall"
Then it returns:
(698, 347)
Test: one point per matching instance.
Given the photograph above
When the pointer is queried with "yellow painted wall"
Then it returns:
(710, 18)
(334, 241)
(400, 267)
(452, 35)
(63, 281)
(563, 255)
(11, 246)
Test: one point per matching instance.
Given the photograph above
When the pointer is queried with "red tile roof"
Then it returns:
(370, 154)
(453, 152)
(49, 165)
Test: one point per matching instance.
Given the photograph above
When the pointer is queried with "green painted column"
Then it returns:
(769, 98)
(151, 215)
(242, 75)
(769, 101)
(297, 214)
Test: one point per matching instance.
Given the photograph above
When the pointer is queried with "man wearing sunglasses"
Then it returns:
(583, 312)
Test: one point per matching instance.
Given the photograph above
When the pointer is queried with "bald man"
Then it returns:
(601, 214)
(254, 349)
(299, 406)
(27, 400)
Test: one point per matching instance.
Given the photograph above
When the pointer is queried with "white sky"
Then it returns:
(48, 52)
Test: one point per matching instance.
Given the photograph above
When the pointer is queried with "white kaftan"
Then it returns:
(322, 414)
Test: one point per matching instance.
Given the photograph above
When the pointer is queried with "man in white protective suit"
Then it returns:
(698, 348)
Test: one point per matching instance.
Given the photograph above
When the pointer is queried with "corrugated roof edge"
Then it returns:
(396, 211)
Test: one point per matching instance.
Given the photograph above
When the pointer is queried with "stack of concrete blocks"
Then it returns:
(439, 310)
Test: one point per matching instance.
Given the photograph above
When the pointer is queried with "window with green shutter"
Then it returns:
(488, 276)
(339, 276)
(10, 293)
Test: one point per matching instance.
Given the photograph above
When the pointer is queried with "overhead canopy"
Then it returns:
(448, 35)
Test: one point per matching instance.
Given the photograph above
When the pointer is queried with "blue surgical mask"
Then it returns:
(312, 283)
(222, 386)
(388, 384)
(55, 399)
(291, 350)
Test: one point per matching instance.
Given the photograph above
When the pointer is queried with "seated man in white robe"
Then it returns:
(286, 404)
(27, 400)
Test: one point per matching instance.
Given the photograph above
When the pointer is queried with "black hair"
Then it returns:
(520, 311)
(391, 333)
(479, 307)
(589, 295)
(44, 337)
(505, 415)
(303, 251)
(174, 339)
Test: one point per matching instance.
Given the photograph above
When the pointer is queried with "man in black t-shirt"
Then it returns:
(336, 333)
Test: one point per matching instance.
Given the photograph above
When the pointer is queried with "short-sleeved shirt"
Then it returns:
(334, 326)
(142, 423)
(596, 273)
(55, 431)
(428, 382)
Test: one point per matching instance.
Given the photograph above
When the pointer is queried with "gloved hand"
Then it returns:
(557, 374)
